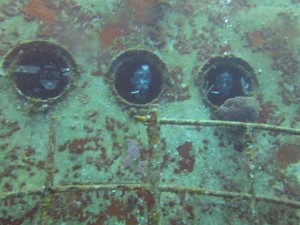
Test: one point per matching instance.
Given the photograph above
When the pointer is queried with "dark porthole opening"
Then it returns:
(224, 82)
(42, 77)
(40, 70)
(138, 76)
(227, 77)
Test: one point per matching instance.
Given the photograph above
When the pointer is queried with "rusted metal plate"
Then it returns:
(89, 158)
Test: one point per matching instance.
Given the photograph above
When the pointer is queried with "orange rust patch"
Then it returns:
(288, 154)
(141, 8)
(117, 209)
(111, 33)
(256, 40)
(187, 160)
(39, 9)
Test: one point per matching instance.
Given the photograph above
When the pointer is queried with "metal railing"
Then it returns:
(152, 185)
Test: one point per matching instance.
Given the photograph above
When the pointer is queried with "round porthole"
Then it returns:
(222, 78)
(138, 76)
(41, 70)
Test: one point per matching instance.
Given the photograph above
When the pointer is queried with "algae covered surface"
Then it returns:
(93, 156)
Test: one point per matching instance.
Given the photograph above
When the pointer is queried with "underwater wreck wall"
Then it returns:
(92, 156)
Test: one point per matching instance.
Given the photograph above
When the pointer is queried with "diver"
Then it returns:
(140, 82)
(49, 76)
(224, 82)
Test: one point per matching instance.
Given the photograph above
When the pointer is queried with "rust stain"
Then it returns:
(141, 8)
(288, 154)
(256, 40)
(39, 9)
(187, 160)
(110, 34)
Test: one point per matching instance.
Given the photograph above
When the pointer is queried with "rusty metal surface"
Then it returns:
(87, 159)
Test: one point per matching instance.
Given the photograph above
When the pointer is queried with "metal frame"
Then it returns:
(153, 186)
